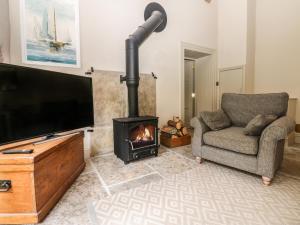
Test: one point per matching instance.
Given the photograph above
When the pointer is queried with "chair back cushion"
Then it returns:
(256, 126)
(217, 120)
(241, 108)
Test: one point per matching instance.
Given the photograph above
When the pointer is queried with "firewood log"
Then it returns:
(182, 123)
(172, 123)
(169, 130)
(179, 133)
(184, 131)
(176, 119)
(174, 136)
(177, 125)
(164, 134)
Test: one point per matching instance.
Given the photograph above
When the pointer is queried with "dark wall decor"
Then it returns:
(136, 137)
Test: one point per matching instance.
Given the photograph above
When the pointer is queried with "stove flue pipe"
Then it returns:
(155, 21)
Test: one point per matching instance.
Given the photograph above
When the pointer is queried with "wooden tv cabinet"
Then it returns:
(40, 179)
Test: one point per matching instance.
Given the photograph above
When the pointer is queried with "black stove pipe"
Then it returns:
(156, 20)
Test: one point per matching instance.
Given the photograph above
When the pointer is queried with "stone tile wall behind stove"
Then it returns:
(110, 101)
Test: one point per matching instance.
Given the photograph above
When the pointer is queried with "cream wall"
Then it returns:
(236, 38)
(4, 29)
(278, 48)
(106, 24)
(251, 48)
(232, 33)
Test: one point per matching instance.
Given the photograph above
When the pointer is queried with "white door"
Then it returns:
(189, 91)
(231, 81)
(204, 85)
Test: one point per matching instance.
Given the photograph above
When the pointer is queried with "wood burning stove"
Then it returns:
(136, 137)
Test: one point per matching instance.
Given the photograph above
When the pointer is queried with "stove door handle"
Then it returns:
(130, 142)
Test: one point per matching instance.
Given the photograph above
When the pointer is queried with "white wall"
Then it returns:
(4, 29)
(232, 33)
(106, 24)
(278, 48)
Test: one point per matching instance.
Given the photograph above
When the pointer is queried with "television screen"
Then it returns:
(37, 103)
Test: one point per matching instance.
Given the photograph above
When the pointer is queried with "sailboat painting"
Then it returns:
(50, 32)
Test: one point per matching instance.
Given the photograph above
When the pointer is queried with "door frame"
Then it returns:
(213, 72)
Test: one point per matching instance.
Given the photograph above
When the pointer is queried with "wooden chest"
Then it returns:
(175, 142)
(40, 179)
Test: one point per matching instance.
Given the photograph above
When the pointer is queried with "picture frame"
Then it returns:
(50, 32)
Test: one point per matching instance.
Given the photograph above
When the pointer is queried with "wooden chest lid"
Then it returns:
(40, 150)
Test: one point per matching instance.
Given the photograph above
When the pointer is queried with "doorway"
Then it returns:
(189, 90)
(198, 81)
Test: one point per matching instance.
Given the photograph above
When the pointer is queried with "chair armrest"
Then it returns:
(271, 145)
(279, 129)
(199, 129)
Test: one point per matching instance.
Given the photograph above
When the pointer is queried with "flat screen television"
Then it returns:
(35, 103)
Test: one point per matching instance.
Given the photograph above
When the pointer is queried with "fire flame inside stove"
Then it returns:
(144, 134)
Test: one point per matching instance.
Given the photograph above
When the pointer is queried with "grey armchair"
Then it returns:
(259, 155)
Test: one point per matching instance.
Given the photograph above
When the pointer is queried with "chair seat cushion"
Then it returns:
(233, 139)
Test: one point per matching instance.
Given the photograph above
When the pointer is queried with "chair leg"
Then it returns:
(266, 180)
(199, 160)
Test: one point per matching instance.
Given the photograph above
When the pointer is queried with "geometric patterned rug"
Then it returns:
(210, 194)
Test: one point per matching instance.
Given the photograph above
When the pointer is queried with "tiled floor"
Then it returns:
(72, 208)
(296, 145)
(106, 175)
(291, 162)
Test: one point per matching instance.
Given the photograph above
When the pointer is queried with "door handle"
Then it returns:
(5, 185)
